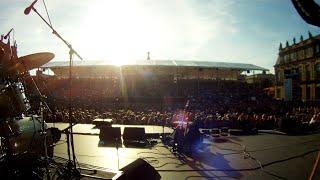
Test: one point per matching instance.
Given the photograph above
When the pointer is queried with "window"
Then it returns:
(293, 56)
(301, 54)
(286, 58)
(309, 52)
(308, 72)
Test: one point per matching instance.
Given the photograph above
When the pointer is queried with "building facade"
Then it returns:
(297, 70)
(263, 80)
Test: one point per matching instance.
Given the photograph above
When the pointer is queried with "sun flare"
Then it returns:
(119, 33)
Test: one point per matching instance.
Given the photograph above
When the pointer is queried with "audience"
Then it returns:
(224, 103)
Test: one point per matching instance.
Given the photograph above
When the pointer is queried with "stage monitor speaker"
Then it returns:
(110, 134)
(134, 134)
(139, 169)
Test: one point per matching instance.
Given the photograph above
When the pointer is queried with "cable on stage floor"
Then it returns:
(246, 154)
(242, 169)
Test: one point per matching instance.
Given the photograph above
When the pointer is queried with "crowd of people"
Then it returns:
(234, 105)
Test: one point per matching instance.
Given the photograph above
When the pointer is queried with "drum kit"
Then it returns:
(25, 138)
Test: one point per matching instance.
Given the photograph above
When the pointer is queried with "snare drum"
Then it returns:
(13, 101)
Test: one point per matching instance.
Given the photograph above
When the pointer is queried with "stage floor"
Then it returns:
(231, 157)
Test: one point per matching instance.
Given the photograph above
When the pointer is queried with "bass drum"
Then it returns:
(13, 101)
(23, 149)
(26, 142)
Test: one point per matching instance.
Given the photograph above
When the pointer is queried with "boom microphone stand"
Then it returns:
(72, 162)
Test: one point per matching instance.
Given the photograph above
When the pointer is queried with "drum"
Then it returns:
(28, 139)
(23, 141)
(23, 148)
(13, 101)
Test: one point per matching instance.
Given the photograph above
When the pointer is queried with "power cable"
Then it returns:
(242, 169)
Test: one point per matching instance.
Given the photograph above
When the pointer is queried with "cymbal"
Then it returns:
(31, 61)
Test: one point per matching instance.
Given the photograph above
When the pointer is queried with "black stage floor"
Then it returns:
(267, 155)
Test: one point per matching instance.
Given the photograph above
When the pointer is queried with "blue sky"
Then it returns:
(244, 31)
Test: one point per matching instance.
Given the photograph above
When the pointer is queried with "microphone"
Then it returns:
(6, 36)
(28, 9)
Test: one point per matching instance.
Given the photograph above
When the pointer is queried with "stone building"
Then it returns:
(297, 70)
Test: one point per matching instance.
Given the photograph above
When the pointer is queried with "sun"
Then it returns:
(119, 33)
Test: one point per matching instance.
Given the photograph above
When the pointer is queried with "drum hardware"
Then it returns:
(44, 134)
(23, 140)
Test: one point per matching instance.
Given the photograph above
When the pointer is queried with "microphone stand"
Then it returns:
(72, 162)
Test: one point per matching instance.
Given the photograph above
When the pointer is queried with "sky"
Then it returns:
(122, 31)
